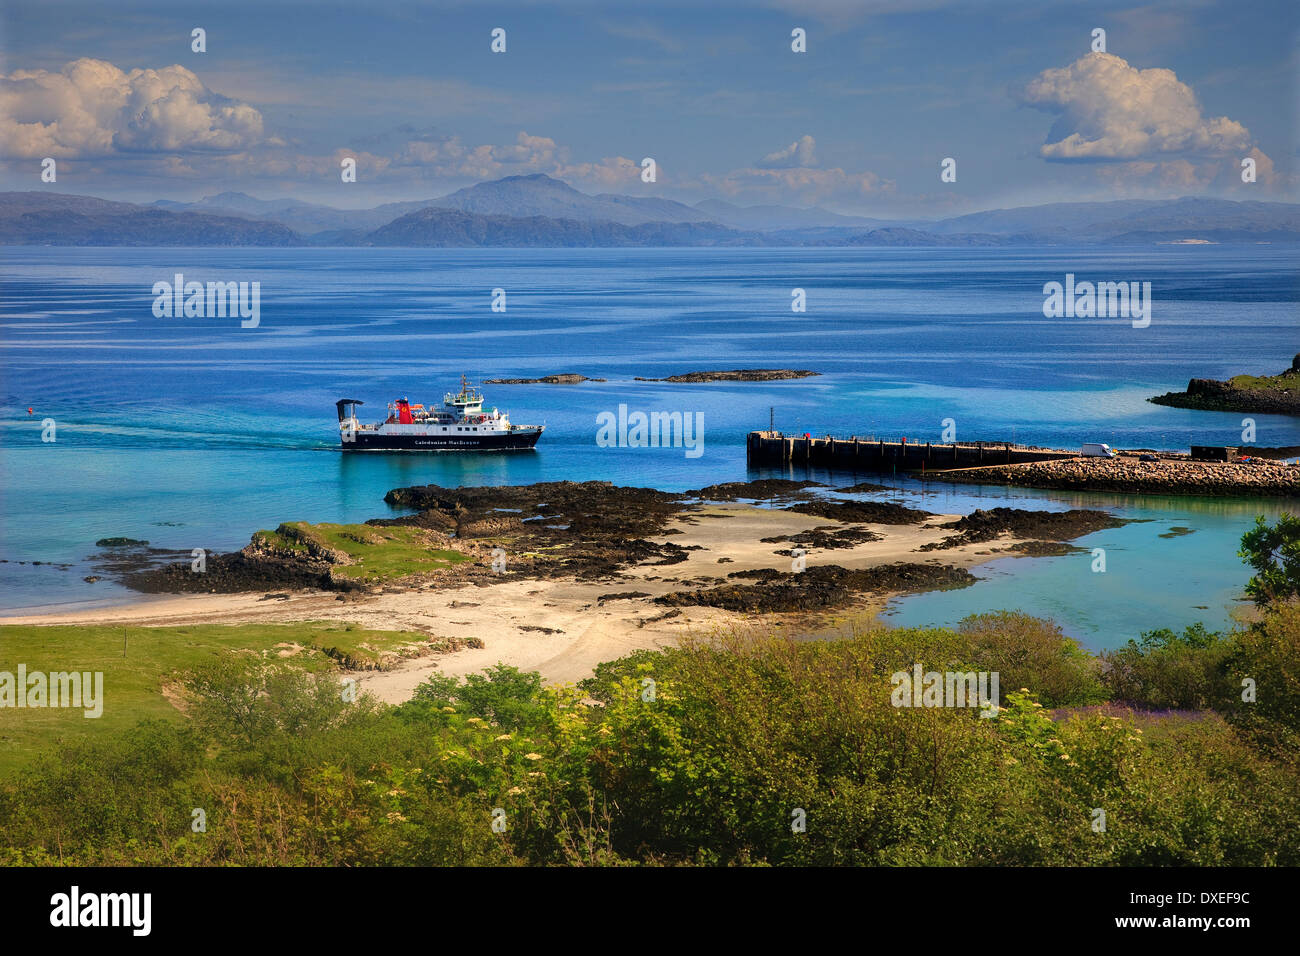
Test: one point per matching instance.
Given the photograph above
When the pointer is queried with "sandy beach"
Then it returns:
(559, 627)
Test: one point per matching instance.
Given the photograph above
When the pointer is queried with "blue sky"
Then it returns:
(712, 91)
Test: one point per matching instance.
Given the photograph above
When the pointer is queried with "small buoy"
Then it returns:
(29, 410)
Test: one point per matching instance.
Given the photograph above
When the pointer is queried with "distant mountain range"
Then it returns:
(542, 196)
(1218, 220)
(452, 227)
(56, 219)
(304, 218)
(518, 197)
(538, 210)
(786, 217)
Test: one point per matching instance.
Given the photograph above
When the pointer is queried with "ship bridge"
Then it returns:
(468, 401)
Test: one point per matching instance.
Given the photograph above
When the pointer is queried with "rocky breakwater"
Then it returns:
(1127, 474)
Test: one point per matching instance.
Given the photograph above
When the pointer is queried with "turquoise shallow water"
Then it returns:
(1175, 564)
(194, 433)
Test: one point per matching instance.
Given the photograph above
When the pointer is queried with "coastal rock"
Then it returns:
(736, 375)
(565, 378)
(819, 588)
(1052, 526)
(486, 527)
(234, 573)
(826, 537)
(578, 531)
(586, 507)
(861, 512)
(759, 489)
(1261, 394)
(863, 487)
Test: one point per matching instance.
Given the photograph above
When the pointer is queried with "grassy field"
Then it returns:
(379, 553)
(139, 663)
(1266, 383)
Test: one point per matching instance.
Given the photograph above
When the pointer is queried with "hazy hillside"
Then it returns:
(302, 217)
(785, 217)
(1129, 218)
(452, 227)
(541, 211)
(60, 219)
(541, 195)
(1218, 220)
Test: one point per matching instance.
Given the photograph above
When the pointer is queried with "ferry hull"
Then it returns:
(506, 441)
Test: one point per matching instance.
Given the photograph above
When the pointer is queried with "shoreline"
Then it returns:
(563, 626)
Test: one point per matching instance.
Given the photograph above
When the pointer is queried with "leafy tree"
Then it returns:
(1274, 553)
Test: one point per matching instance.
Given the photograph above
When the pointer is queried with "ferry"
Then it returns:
(462, 424)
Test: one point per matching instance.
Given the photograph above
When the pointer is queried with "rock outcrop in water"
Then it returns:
(238, 572)
(736, 375)
(1039, 526)
(564, 378)
(861, 512)
(1261, 394)
(819, 588)
(759, 489)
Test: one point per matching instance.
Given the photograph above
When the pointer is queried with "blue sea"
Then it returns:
(197, 432)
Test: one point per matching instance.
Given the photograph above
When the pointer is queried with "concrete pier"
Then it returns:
(861, 454)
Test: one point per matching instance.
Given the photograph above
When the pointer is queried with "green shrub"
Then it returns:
(1028, 652)
(505, 695)
(1268, 655)
(1168, 670)
(746, 749)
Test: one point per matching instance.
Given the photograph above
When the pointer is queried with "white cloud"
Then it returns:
(798, 153)
(92, 109)
(448, 158)
(610, 172)
(1108, 110)
(808, 186)
(151, 124)
(1181, 176)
